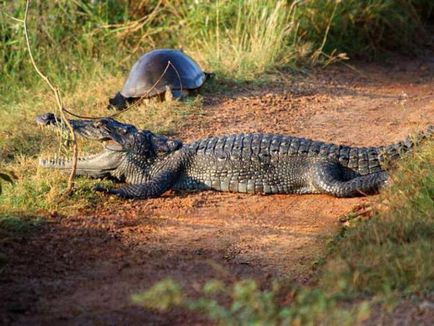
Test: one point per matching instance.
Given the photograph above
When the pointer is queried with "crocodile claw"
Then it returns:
(105, 190)
(99, 188)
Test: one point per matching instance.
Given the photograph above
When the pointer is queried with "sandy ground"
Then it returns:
(81, 270)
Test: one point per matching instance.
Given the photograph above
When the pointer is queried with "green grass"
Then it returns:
(393, 251)
(53, 27)
(367, 28)
(38, 190)
(241, 39)
(243, 303)
(15, 225)
(238, 39)
(18, 224)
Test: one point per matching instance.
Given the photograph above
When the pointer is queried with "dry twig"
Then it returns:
(169, 64)
(58, 101)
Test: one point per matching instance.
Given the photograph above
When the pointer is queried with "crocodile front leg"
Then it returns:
(162, 179)
(154, 188)
(329, 177)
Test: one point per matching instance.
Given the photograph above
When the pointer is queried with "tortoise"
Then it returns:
(152, 75)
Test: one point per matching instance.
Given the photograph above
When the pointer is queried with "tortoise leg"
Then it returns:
(209, 75)
(118, 102)
(172, 94)
(177, 94)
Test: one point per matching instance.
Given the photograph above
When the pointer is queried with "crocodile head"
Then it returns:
(128, 153)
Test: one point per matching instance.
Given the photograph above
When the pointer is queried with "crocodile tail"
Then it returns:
(394, 151)
(366, 160)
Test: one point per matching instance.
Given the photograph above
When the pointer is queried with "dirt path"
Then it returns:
(82, 269)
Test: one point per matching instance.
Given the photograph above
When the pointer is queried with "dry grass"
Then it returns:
(245, 39)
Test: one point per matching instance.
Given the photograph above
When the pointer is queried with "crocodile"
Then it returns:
(260, 163)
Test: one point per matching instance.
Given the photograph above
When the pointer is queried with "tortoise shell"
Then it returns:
(147, 71)
(157, 71)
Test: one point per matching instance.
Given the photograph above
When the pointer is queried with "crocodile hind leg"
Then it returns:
(331, 178)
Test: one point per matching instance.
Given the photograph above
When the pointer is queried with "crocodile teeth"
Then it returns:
(57, 160)
(60, 160)
(54, 161)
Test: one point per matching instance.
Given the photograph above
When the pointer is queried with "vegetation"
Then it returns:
(12, 226)
(244, 303)
(394, 251)
(379, 260)
(239, 39)
(17, 224)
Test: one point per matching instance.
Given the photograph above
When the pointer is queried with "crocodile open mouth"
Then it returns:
(120, 141)
(95, 165)
(91, 165)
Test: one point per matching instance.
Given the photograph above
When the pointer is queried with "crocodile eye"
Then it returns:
(98, 124)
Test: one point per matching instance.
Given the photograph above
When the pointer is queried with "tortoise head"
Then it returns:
(118, 102)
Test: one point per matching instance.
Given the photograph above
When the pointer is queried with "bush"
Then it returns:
(243, 303)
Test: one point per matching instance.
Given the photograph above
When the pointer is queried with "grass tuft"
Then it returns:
(244, 303)
(393, 251)
(240, 39)
(37, 189)
(18, 224)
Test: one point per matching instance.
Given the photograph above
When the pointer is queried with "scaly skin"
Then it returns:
(253, 163)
